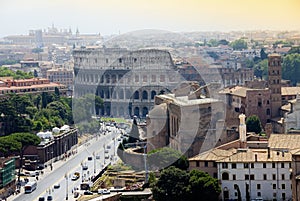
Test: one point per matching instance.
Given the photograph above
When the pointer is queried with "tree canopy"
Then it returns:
(253, 124)
(165, 157)
(175, 184)
(291, 68)
(239, 44)
(5, 72)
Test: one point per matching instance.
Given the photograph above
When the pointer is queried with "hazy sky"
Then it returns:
(111, 16)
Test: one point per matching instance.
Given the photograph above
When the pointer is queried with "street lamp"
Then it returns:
(81, 170)
(66, 176)
(94, 162)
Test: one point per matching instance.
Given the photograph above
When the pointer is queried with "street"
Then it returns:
(64, 169)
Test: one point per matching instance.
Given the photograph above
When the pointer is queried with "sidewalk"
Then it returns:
(47, 170)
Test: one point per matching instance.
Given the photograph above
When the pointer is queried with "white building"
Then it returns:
(256, 173)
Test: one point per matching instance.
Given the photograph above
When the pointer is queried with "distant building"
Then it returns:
(53, 147)
(7, 177)
(61, 76)
(253, 167)
(187, 120)
(34, 85)
(127, 81)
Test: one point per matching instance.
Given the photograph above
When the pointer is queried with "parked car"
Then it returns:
(49, 198)
(90, 158)
(88, 193)
(56, 186)
(85, 167)
(75, 176)
(103, 191)
(41, 199)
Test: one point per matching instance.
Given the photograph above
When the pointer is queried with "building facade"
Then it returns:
(7, 177)
(126, 80)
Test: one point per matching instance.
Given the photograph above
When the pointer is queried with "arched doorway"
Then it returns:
(145, 111)
(145, 95)
(153, 94)
(136, 111)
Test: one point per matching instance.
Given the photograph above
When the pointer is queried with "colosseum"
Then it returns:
(127, 81)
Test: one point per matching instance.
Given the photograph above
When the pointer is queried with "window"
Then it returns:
(273, 165)
(282, 165)
(205, 163)
(233, 177)
(214, 164)
(283, 196)
(264, 165)
(224, 165)
(274, 176)
(258, 186)
(282, 186)
(246, 177)
(268, 112)
(225, 176)
(258, 194)
(153, 78)
(252, 177)
(137, 78)
(252, 165)
(246, 165)
(265, 177)
(215, 175)
(274, 186)
(233, 165)
(282, 177)
(274, 195)
(197, 163)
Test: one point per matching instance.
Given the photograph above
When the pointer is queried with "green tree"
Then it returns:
(176, 184)
(223, 42)
(8, 146)
(239, 44)
(253, 124)
(263, 54)
(213, 43)
(291, 68)
(261, 69)
(172, 185)
(165, 157)
(25, 139)
(204, 186)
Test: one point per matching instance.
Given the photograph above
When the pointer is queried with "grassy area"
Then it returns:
(117, 120)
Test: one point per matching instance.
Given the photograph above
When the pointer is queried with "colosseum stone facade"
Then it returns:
(127, 81)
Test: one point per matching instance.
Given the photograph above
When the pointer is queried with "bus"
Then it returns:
(30, 186)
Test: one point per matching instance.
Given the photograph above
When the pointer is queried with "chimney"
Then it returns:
(268, 152)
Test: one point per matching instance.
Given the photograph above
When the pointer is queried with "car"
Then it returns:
(108, 147)
(75, 176)
(76, 194)
(49, 198)
(88, 193)
(103, 191)
(56, 186)
(85, 167)
(41, 199)
(90, 158)
(106, 151)
(97, 156)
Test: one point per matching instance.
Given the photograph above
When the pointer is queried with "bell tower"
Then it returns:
(274, 83)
